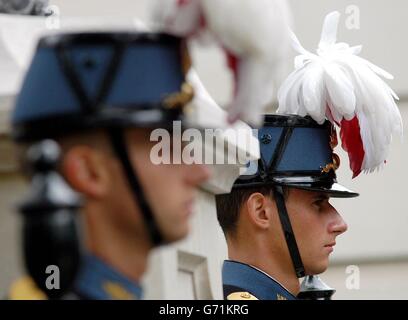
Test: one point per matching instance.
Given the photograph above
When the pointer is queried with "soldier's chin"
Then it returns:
(177, 235)
(317, 268)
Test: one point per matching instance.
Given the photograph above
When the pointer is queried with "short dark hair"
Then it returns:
(229, 205)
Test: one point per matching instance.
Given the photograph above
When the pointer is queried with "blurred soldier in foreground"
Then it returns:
(84, 116)
(278, 221)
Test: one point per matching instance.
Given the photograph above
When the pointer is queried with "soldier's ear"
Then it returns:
(85, 169)
(258, 210)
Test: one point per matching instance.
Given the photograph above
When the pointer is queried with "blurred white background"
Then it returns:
(377, 239)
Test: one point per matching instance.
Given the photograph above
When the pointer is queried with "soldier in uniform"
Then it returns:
(278, 221)
(97, 204)
(288, 195)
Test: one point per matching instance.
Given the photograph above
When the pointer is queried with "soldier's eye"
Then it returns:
(318, 203)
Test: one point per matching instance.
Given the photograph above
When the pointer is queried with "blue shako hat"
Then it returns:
(93, 80)
(296, 152)
(84, 81)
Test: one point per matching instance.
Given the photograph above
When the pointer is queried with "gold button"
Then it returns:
(245, 295)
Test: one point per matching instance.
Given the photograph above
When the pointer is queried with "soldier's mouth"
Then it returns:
(330, 246)
(189, 205)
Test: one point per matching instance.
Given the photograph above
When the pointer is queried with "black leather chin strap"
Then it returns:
(119, 145)
(281, 206)
(288, 232)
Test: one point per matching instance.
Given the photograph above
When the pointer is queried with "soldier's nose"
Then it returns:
(338, 226)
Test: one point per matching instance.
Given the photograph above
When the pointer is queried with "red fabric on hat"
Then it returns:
(233, 61)
(353, 144)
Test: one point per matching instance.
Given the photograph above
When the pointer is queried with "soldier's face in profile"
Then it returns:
(316, 224)
(93, 169)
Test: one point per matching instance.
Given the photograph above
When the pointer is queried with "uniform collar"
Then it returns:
(99, 281)
(244, 277)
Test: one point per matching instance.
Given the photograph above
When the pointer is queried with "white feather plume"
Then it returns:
(337, 83)
(256, 32)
